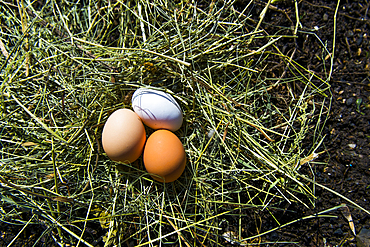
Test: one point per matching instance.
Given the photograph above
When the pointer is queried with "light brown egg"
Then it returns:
(123, 136)
(164, 156)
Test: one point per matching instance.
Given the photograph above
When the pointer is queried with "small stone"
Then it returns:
(274, 236)
(325, 17)
(338, 232)
(211, 133)
(363, 238)
(350, 33)
(350, 101)
(359, 40)
(352, 146)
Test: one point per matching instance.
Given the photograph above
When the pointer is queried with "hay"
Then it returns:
(250, 113)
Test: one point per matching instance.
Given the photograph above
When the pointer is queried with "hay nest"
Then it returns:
(252, 118)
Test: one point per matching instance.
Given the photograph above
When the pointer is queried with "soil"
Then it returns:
(344, 164)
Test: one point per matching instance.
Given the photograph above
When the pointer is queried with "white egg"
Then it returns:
(157, 109)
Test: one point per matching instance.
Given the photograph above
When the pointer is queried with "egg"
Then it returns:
(123, 136)
(157, 109)
(164, 156)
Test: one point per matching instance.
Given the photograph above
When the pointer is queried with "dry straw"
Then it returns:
(248, 129)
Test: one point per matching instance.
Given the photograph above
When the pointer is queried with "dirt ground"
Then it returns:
(347, 129)
(344, 166)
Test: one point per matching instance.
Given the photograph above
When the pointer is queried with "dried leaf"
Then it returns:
(230, 236)
(311, 157)
(49, 176)
(28, 144)
(225, 132)
(62, 199)
(347, 214)
(3, 49)
(104, 218)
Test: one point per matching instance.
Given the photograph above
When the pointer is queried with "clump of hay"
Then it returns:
(252, 119)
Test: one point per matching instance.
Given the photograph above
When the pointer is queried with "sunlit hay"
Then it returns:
(66, 67)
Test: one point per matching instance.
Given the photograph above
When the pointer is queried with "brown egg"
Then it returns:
(123, 136)
(164, 156)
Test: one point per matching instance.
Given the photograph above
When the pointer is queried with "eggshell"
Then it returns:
(157, 109)
(123, 136)
(164, 156)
